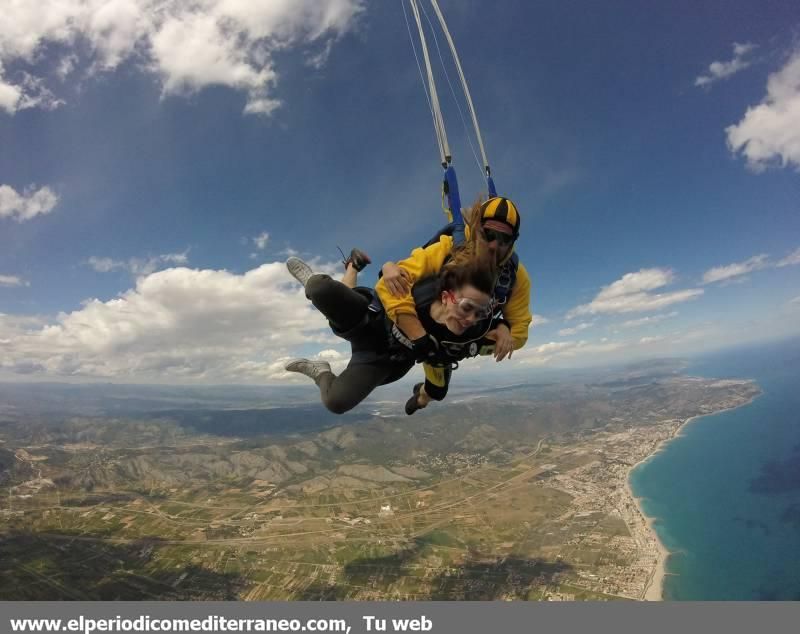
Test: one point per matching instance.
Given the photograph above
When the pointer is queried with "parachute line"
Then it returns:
(421, 76)
(439, 15)
(438, 121)
(452, 91)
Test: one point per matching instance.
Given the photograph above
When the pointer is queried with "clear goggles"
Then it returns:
(466, 307)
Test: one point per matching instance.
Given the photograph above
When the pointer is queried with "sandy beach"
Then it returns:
(654, 589)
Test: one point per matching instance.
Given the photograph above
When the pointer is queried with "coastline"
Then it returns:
(654, 588)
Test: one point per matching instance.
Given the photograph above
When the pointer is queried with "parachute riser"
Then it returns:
(450, 189)
(490, 184)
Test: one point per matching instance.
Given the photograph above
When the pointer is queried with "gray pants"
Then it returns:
(349, 316)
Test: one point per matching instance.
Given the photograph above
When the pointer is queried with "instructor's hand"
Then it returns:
(503, 342)
(397, 279)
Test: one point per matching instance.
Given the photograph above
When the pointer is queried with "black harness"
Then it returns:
(450, 351)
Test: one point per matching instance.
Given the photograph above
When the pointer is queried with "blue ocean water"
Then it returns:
(726, 493)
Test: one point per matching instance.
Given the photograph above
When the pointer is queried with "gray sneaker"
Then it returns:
(312, 369)
(299, 270)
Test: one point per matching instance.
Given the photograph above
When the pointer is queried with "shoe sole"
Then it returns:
(299, 270)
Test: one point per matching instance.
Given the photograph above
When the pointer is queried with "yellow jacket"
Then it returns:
(429, 261)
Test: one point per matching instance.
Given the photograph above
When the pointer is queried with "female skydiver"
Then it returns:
(454, 305)
(496, 222)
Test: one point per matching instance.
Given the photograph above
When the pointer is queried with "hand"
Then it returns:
(397, 279)
(424, 348)
(503, 342)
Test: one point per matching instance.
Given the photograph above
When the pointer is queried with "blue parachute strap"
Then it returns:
(490, 184)
(450, 189)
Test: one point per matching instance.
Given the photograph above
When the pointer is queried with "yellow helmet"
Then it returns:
(503, 210)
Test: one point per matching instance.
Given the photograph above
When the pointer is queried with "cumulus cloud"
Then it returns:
(11, 328)
(647, 321)
(632, 293)
(138, 266)
(723, 70)
(790, 260)
(178, 324)
(29, 204)
(648, 340)
(769, 133)
(12, 280)
(737, 269)
(188, 45)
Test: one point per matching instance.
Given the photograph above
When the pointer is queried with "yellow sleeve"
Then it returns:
(421, 263)
(517, 310)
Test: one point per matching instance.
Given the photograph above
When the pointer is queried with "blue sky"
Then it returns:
(157, 166)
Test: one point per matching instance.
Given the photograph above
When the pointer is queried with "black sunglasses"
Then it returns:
(503, 238)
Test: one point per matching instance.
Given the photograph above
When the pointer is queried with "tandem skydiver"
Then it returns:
(452, 302)
(496, 223)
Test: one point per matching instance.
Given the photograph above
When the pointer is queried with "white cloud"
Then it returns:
(26, 205)
(720, 273)
(648, 340)
(288, 252)
(742, 49)
(11, 328)
(769, 133)
(723, 70)
(10, 95)
(188, 45)
(642, 280)
(28, 92)
(138, 266)
(12, 280)
(261, 240)
(35, 94)
(539, 320)
(790, 260)
(631, 293)
(565, 332)
(105, 265)
(646, 321)
(178, 324)
(66, 66)
(560, 350)
(795, 302)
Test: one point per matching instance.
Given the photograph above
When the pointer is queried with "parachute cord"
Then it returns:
(437, 111)
(463, 84)
(453, 92)
(421, 76)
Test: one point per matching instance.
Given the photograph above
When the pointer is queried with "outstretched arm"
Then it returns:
(420, 264)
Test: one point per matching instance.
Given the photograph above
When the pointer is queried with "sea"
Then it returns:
(725, 493)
